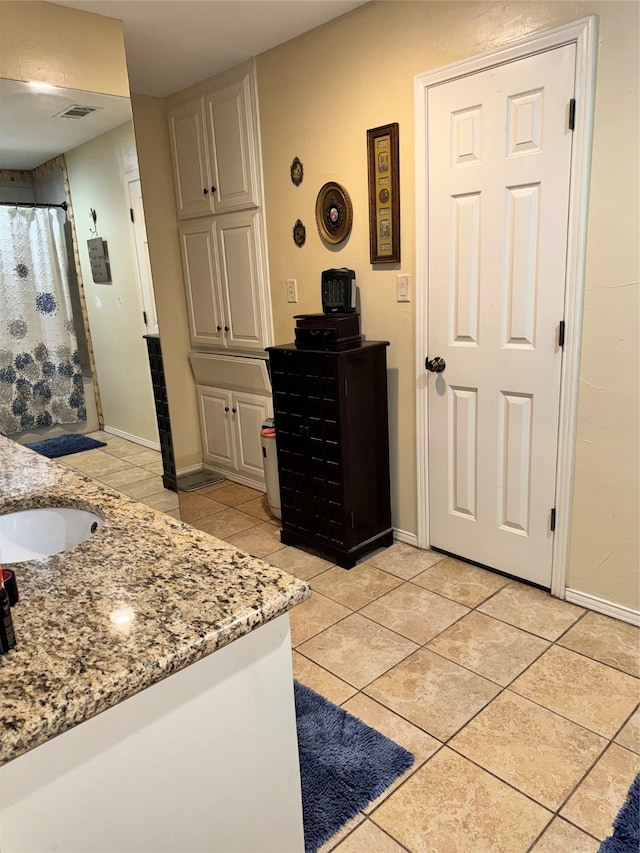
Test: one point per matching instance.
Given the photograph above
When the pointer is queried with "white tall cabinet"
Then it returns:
(215, 148)
(215, 145)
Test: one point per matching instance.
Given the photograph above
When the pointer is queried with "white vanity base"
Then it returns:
(205, 760)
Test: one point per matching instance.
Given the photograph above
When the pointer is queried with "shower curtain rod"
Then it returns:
(31, 204)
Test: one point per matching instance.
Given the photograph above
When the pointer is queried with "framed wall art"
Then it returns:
(383, 162)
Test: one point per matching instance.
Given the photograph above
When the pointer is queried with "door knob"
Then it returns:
(213, 189)
(435, 365)
(205, 191)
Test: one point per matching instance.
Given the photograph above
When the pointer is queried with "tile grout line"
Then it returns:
(555, 812)
(360, 691)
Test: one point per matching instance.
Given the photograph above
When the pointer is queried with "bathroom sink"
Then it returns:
(35, 533)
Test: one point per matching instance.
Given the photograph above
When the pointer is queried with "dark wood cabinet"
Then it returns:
(162, 412)
(332, 436)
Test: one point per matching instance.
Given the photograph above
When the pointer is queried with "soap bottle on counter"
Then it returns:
(7, 634)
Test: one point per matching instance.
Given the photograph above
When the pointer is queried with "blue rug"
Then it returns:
(65, 445)
(344, 764)
(626, 826)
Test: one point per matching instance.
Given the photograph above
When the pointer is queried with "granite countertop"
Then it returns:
(184, 593)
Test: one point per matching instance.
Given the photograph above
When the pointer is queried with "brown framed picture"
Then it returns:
(383, 160)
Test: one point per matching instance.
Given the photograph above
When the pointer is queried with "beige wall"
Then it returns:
(157, 190)
(65, 47)
(311, 110)
(318, 95)
(97, 171)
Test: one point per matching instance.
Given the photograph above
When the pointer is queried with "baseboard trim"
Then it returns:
(238, 478)
(604, 606)
(192, 469)
(152, 445)
(405, 536)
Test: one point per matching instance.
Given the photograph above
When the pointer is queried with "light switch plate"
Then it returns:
(404, 288)
(292, 290)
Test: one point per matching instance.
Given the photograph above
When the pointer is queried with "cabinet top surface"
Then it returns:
(144, 597)
(331, 350)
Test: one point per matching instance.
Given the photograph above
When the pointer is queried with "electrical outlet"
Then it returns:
(404, 288)
(292, 290)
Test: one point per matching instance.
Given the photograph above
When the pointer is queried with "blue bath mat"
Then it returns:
(65, 445)
(344, 765)
(626, 826)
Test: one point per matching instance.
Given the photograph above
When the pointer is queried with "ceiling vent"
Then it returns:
(76, 111)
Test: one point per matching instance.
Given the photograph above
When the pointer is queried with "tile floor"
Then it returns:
(522, 710)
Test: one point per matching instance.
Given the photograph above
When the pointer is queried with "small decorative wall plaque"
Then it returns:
(334, 214)
(297, 171)
(99, 260)
(384, 194)
(299, 233)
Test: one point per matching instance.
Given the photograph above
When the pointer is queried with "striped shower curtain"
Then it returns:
(40, 377)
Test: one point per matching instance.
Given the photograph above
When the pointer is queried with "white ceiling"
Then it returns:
(171, 44)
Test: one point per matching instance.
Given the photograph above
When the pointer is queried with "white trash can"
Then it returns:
(270, 461)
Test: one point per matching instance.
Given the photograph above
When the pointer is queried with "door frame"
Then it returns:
(150, 328)
(584, 34)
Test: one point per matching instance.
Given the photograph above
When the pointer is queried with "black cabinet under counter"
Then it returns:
(162, 411)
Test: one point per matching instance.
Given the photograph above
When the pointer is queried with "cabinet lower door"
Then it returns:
(249, 411)
(216, 422)
(201, 279)
(231, 422)
(242, 278)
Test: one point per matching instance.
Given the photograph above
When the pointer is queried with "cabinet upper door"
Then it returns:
(232, 147)
(204, 308)
(191, 172)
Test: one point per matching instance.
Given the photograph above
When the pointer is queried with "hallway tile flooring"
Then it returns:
(522, 710)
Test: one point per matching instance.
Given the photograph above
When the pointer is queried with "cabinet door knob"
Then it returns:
(233, 411)
(213, 189)
(226, 328)
(205, 191)
(219, 328)
(226, 408)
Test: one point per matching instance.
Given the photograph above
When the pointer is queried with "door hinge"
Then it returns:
(561, 329)
(572, 114)
(144, 317)
(553, 519)
(131, 214)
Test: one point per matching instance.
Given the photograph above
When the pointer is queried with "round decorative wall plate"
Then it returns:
(334, 214)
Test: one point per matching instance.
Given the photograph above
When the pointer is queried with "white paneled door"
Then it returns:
(499, 158)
